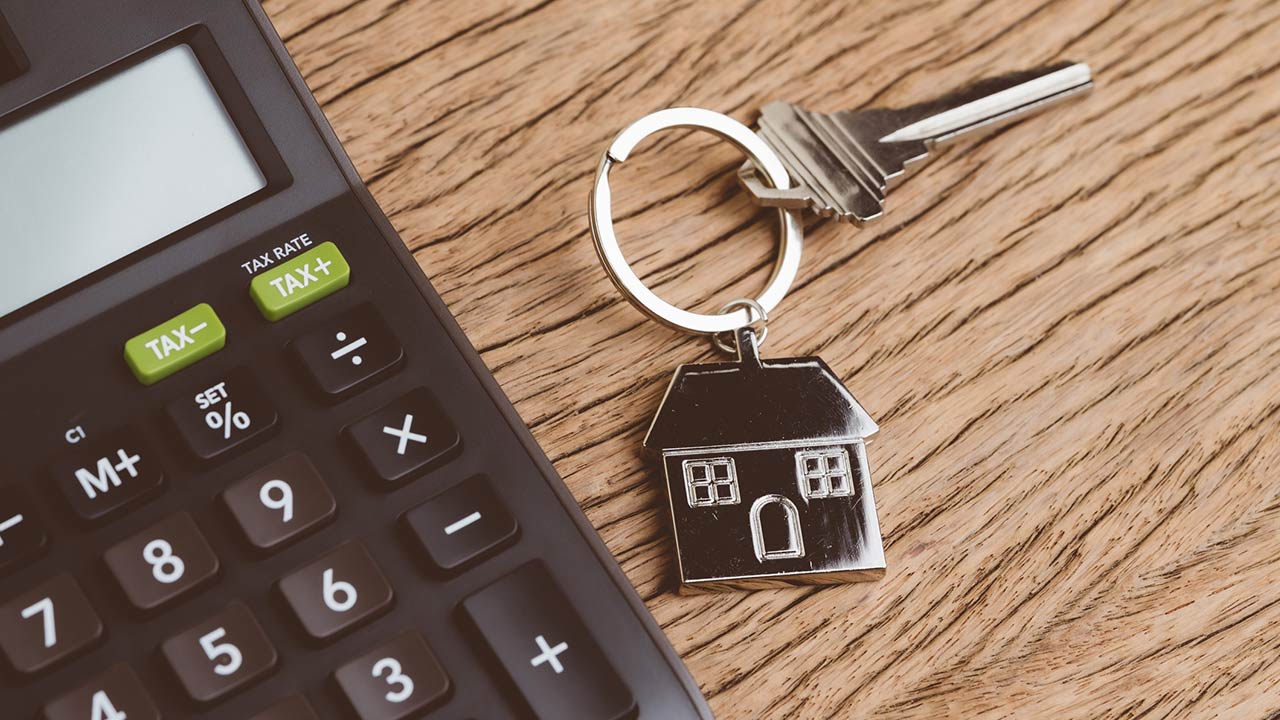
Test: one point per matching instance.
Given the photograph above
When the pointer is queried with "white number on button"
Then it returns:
(43, 607)
(104, 709)
(215, 650)
(277, 495)
(395, 676)
(165, 566)
(339, 595)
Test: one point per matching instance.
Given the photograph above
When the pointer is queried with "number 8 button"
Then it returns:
(160, 563)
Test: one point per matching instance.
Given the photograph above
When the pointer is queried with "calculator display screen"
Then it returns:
(112, 168)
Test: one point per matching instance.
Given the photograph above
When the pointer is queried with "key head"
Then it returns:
(844, 163)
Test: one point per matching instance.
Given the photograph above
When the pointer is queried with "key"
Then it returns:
(47, 624)
(22, 534)
(334, 594)
(294, 707)
(162, 563)
(462, 525)
(220, 655)
(114, 695)
(843, 163)
(281, 502)
(528, 623)
(396, 680)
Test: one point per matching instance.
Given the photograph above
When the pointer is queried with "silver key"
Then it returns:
(843, 163)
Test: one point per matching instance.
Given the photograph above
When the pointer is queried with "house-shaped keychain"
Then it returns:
(766, 469)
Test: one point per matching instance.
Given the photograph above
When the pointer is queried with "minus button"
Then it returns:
(470, 505)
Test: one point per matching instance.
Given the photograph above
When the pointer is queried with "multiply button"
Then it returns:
(405, 438)
(530, 625)
(224, 414)
(462, 525)
(22, 535)
(349, 352)
(102, 479)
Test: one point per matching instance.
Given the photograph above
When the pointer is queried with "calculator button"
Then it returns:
(47, 624)
(174, 344)
(405, 438)
(337, 592)
(294, 707)
(529, 624)
(224, 414)
(349, 352)
(281, 502)
(220, 655)
(461, 525)
(286, 289)
(106, 477)
(161, 563)
(22, 534)
(398, 679)
(113, 695)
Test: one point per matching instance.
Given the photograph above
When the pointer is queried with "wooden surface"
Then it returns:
(1068, 330)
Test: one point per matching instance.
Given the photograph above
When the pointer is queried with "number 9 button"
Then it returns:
(220, 655)
(157, 565)
(281, 502)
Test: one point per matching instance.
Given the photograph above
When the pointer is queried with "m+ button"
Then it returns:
(405, 438)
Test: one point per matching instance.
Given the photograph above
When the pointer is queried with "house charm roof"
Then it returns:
(767, 473)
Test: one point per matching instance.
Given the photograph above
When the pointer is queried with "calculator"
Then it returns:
(251, 467)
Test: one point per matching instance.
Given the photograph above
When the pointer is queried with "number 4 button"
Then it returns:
(220, 655)
(114, 695)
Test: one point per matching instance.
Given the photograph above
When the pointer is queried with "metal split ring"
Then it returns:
(759, 326)
(791, 233)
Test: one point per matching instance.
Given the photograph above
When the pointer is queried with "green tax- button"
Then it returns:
(174, 344)
(285, 290)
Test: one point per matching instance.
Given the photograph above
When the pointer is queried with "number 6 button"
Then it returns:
(398, 679)
(162, 562)
(220, 655)
(337, 592)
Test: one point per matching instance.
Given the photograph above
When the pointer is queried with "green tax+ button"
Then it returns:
(174, 344)
(282, 291)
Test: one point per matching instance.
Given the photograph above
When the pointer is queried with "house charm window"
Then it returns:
(824, 473)
(711, 482)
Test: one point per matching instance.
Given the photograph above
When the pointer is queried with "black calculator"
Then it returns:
(251, 467)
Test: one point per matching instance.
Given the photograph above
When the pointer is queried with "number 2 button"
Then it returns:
(47, 624)
(337, 592)
(396, 680)
(220, 655)
(160, 563)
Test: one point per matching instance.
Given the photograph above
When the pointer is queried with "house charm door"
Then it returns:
(766, 470)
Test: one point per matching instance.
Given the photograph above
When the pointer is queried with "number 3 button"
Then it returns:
(337, 592)
(162, 562)
(396, 680)
(220, 655)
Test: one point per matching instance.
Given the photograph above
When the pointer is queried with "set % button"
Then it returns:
(224, 415)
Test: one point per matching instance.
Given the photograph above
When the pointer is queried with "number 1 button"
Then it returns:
(398, 679)
(46, 624)
(220, 655)
(337, 592)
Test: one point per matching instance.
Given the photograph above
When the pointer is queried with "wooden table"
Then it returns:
(1067, 330)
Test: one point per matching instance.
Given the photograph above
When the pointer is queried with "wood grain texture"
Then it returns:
(1068, 330)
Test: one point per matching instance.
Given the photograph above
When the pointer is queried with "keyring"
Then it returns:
(600, 210)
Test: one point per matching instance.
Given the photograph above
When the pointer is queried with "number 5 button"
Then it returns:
(46, 624)
(220, 655)
(398, 679)
(161, 563)
(337, 592)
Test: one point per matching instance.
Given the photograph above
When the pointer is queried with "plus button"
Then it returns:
(549, 654)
